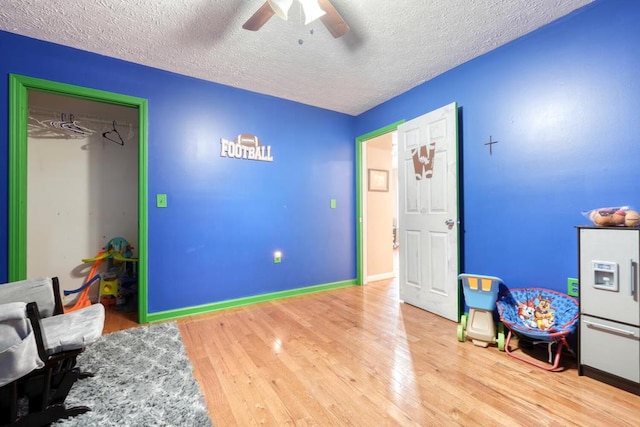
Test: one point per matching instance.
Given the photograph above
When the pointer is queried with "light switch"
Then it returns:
(161, 200)
(333, 203)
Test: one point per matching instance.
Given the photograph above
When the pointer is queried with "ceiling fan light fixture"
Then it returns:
(280, 7)
(312, 10)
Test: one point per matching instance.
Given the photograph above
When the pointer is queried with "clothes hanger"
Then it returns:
(73, 126)
(113, 135)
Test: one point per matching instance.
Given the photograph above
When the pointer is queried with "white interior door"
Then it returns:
(428, 211)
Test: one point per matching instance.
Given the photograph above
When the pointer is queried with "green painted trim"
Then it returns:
(18, 116)
(381, 131)
(359, 213)
(143, 210)
(359, 207)
(458, 210)
(17, 238)
(216, 306)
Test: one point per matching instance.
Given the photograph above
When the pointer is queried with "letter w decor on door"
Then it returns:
(423, 160)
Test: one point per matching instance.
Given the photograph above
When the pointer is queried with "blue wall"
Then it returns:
(564, 104)
(225, 217)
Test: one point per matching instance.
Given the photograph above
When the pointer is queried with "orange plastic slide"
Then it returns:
(83, 299)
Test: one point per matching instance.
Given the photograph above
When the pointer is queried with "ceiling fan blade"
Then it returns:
(332, 19)
(259, 18)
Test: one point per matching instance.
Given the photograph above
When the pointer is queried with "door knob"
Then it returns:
(450, 223)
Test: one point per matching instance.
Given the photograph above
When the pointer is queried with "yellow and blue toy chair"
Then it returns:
(480, 294)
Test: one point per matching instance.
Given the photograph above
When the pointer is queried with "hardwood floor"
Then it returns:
(356, 356)
(118, 320)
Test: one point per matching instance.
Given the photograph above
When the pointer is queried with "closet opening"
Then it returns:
(82, 198)
(78, 191)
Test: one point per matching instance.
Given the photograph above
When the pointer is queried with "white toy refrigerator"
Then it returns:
(609, 332)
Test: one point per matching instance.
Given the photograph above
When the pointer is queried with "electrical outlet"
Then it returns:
(161, 200)
(572, 287)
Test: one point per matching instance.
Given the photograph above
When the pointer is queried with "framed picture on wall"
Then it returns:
(378, 180)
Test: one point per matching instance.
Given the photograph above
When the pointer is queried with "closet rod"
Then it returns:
(58, 114)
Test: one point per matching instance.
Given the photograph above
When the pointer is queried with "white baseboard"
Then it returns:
(381, 276)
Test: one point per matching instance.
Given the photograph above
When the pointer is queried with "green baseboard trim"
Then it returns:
(216, 306)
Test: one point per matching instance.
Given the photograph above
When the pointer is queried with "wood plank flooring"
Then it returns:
(356, 356)
(116, 320)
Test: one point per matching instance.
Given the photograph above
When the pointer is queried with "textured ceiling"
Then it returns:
(393, 46)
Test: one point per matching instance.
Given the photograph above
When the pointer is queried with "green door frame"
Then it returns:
(18, 118)
(359, 202)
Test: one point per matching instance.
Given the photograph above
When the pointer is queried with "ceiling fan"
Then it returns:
(313, 9)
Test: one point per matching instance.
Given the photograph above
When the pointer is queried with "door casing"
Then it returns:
(360, 209)
(18, 117)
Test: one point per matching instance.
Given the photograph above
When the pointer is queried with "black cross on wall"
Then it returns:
(490, 144)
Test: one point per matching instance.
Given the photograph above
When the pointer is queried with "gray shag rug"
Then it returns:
(143, 377)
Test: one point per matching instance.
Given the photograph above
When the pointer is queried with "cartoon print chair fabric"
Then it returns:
(38, 354)
(540, 316)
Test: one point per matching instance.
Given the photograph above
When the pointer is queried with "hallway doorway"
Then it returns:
(377, 207)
